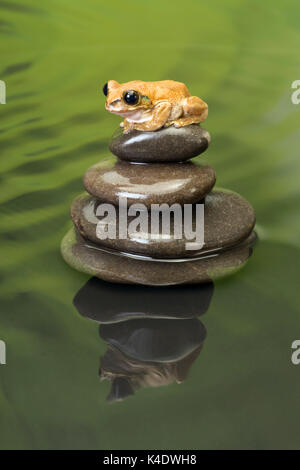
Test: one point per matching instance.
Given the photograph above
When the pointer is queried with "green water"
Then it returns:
(239, 56)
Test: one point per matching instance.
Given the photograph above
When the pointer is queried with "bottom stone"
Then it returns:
(117, 267)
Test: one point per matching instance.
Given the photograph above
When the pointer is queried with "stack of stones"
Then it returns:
(154, 168)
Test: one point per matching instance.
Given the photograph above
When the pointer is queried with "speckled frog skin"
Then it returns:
(149, 106)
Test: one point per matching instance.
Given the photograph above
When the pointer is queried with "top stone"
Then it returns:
(168, 144)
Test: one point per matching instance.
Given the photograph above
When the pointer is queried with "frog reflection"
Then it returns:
(153, 335)
(148, 353)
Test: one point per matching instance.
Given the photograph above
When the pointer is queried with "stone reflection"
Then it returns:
(153, 334)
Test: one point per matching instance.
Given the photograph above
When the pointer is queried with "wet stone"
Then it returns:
(165, 145)
(228, 220)
(161, 183)
(114, 267)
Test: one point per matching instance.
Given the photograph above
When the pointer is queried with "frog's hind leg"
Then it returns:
(195, 110)
(196, 107)
(186, 121)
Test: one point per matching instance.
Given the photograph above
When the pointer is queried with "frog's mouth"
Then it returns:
(116, 107)
(133, 114)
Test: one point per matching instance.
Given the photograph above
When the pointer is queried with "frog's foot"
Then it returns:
(127, 126)
(168, 124)
(186, 121)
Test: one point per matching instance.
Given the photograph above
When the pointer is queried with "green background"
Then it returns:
(239, 56)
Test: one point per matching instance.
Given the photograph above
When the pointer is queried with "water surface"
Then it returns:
(241, 57)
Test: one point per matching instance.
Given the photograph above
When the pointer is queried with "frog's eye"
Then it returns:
(131, 97)
(105, 89)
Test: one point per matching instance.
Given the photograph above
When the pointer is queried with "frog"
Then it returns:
(150, 106)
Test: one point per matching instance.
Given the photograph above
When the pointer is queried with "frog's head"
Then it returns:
(126, 99)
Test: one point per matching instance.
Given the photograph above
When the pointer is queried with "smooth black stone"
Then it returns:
(116, 267)
(110, 303)
(165, 145)
(228, 219)
(182, 183)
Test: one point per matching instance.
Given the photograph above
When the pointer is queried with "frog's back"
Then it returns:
(169, 89)
(156, 91)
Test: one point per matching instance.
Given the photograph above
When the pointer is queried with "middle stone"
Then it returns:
(155, 183)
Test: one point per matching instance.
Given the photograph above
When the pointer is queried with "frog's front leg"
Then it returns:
(160, 116)
(127, 126)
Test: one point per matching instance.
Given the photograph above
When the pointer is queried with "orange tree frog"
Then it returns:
(149, 106)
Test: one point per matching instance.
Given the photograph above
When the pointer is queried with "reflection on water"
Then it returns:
(105, 302)
(148, 353)
(153, 335)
